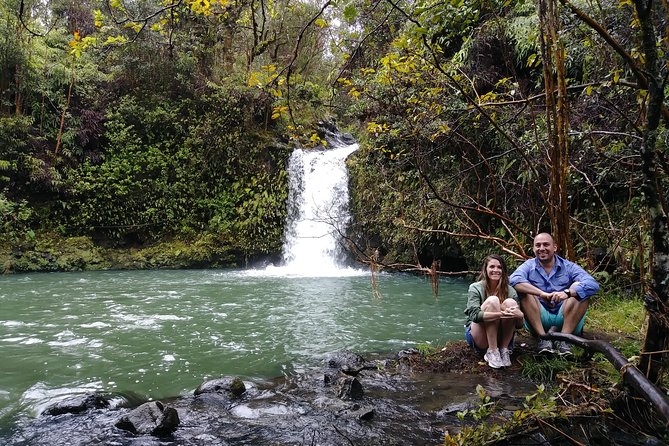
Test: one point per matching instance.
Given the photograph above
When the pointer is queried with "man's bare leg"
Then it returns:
(573, 311)
(532, 310)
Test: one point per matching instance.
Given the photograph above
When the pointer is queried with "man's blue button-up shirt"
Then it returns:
(563, 274)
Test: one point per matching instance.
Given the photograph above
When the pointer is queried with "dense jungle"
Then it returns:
(155, 134)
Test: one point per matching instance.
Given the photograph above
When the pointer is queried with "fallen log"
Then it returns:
(631, 375)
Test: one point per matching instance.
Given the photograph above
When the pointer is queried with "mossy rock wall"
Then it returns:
(50, 253)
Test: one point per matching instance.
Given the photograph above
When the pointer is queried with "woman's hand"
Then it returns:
(512, 313)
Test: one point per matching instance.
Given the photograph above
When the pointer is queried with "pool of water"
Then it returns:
(156, 334)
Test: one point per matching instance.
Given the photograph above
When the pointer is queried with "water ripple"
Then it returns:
(157, 333)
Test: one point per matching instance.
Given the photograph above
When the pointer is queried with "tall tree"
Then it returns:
(557, 123)
(654, 187)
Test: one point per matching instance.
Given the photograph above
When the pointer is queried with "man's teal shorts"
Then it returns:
(549, 320)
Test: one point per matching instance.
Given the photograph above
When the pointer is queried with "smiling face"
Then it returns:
(544, 248)
(493, 270)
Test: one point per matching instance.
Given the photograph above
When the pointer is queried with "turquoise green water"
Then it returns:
(161, 333)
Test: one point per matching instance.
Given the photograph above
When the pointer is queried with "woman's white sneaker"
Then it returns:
(505, 355)
(493, 359)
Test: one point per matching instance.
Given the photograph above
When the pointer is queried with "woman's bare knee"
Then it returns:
(509, 303)
(491, 304)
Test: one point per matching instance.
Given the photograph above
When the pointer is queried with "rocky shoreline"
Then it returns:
(409, 398)
(350, 400)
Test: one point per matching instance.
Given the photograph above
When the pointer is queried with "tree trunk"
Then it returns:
(557, 124)
(652, 356)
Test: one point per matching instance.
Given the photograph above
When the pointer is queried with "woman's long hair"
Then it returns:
(502, 289)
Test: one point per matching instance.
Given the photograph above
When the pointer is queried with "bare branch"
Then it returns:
(289, 67)
(27, 28)
(630, 374)
(503, 244)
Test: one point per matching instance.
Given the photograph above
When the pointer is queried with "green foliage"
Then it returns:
(523, 30)
(446, 22)
(169, 128)
(484, 408)
(539, 405)
(141, 187)
(179, 167)
(617, 313)
(545, 369)
(15, 218)
(13, 143)
(450, 146)
(426, 348)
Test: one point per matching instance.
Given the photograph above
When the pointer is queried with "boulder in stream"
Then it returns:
(230, 386)
(78, 404)
(150, 418)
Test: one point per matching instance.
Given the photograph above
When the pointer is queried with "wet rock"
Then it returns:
(348, 362)
(330, 379)
(452, 409)
(357, 411)
(150, 418)
(329, 131)
(78, 404)
(409, 352)
(349, 388)
(230, 386)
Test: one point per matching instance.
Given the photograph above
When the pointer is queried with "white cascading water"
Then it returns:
(317, 213)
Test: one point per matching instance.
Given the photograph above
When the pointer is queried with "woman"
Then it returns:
(493, 313)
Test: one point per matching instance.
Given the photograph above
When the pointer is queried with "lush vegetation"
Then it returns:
(143, 123)
(139, 123)
(149, 134)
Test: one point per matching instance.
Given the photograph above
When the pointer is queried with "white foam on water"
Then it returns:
(40, 395)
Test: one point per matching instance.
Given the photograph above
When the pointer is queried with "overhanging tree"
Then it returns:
(650, 74)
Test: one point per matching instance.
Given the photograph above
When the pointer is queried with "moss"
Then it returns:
(173, 254)
(237, 387)
(51, 252)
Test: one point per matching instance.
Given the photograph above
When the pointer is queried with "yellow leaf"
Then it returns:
(278, 111)
(98, 18)
(115, 40)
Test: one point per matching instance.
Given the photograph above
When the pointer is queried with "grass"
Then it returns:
(620, 317)
(544, 368)
(617, 314)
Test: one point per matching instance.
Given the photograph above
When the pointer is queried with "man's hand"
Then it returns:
(547, 297)
(555, 297)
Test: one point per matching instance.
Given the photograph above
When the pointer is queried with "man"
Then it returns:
(553, 292)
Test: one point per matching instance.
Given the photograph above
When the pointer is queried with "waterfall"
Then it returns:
(318, 213)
